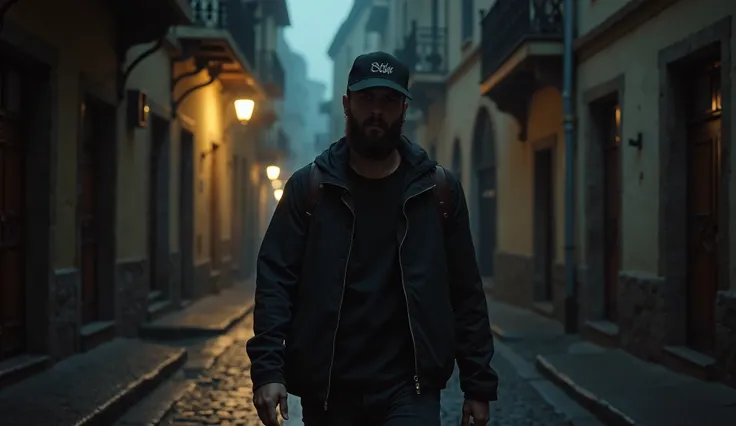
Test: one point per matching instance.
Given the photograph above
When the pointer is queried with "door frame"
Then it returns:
(159, 243)
(672, 160)
(38, 60)
(594, 291)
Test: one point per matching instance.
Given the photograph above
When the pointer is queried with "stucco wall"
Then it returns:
(151, 76)
(591, 13)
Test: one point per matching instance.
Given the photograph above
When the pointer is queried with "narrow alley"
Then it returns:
(214, 388)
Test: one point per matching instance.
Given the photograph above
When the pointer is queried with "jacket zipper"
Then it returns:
(417, 387)
(339, 308)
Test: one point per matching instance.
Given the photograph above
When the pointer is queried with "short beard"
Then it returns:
(371, 146)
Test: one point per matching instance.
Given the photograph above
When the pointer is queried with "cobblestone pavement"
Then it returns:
(518, 403)
(222, 396)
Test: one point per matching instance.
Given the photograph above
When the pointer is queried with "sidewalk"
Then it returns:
(209, 316)
(617, 387)
(92, 388)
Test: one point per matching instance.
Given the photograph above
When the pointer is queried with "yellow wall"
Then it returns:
(82, 33)
(151, 76)
(206, 109)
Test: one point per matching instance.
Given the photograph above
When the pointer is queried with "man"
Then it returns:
(364, 303)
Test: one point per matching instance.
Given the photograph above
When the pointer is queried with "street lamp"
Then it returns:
(277, 184)
(273, 172)
(277, 194)
(244, 110)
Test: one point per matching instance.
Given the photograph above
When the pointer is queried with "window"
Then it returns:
(468, 21)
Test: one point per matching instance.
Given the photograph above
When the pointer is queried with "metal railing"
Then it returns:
(425, 50)
(233, 15)
(509, 23)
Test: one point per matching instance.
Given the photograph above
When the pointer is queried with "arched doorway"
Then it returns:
(457, 160)
(484, 191)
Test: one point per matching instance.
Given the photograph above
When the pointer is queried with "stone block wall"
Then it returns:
(725, 352)
(513, 280)
(643, 314)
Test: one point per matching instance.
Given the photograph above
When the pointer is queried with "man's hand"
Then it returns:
(478, 411)
(266, 398)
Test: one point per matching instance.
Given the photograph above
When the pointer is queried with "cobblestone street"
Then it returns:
(221, 395)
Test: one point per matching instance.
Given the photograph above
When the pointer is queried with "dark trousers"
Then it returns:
(398, 405)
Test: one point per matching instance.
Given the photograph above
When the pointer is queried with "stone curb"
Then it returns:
(602, 409)
(161, 333)
(504, 335)
(167, 408)
(107, 413)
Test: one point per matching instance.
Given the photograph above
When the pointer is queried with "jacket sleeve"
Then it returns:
(277, 271)
(478, 379)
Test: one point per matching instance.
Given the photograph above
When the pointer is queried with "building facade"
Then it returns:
(655, 192)
(652, 185)
(130, 187)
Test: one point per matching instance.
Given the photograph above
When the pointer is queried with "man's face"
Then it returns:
(375, 118)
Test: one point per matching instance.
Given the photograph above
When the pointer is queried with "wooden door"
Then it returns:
(543, 222)
(214, 211)
(12, 217)
(186, 209)
(487, 214)
(87, 193)
(158, 217)
(611, 207)
(236, 215)
(485, 197)
(704, 176)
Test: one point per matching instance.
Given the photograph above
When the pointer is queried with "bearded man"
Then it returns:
(367, 299)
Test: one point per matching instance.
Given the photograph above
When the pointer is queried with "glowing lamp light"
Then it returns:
(277, 194)
(244, 109)
(277, 184)
(273, 172)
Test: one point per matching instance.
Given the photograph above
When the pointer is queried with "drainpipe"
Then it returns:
(571, 303)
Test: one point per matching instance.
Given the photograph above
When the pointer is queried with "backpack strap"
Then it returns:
(315, 184)
(442, 193)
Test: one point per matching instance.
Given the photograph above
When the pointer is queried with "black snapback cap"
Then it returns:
(379, 69)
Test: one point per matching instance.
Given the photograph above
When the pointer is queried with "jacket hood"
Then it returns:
(334, 160)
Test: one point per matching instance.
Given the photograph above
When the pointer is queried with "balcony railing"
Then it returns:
(271, 71)
(510, 23)
(233, 15)
(425, 50)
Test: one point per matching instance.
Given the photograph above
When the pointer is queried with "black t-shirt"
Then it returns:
(374, 345)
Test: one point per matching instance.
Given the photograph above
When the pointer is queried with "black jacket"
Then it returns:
(301, 277)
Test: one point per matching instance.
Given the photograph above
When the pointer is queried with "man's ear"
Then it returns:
(345, 104)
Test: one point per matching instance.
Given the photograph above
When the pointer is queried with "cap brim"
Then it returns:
(378, 82)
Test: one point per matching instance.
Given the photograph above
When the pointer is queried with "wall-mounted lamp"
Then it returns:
(273, 172)
(137, 109)
(277, 184)
(638, 142)
(244, 110)
(277, 194)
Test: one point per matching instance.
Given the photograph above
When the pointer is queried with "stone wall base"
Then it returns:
(65, 313)
(513, 280)
(725, 352)
(643, 314)
(132, 285)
